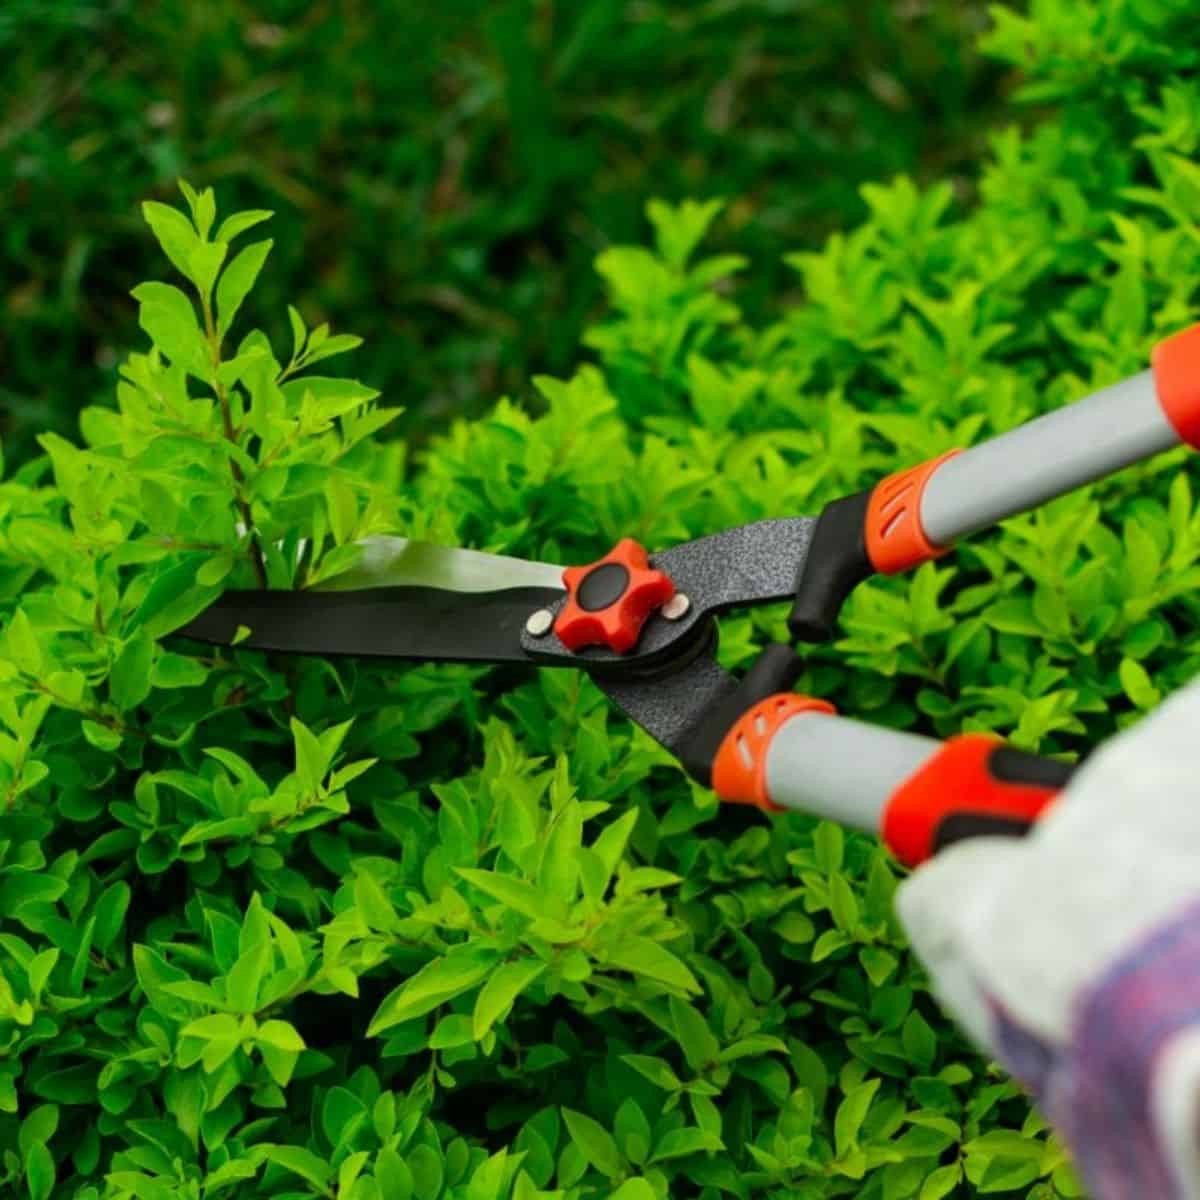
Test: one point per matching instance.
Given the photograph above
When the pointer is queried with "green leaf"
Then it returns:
(129, 683)
(843, 904)
(641, 956)
(643, 879)
(234, 369)
(392, 1174)
(279, 1034)
(454, 1029)
(515, 893)
(504, 985)
(941, 1182)
(40, 968)
(1137, 684)
(920, 1042)
(559, 872)
(488, 1180)
(79, 963)
(829, 844)
(21, 888)
(22, 644)
(700, 1045)
(234, 1171)
(831, 941)
(794, 927)
(1141, 562)
(111, 908)
(850, 1115)
(154, 975)
(752, 1046)
(299, 332)
(37, 1128)
(168, 316)
(244, 980)
(208, 831)
(332, 346)
(341, 503)
(214, 1027)
(595, 1143)
(174, 233)
(679, 228)
(173, 599)
(204, 211)
(879, 964)
(206, 262)
(238, 223)
(101, 736)
(610, 844)
(632, 1131)
(657, 1070)
(1005, 1143)
(434, 984)
(237, 280)
(142, 1186)
(680, 1142)
(428, 1172)
(372, 902)
(280, 1046)
(177, 671)
(635, 1189)
(302, 1162)
(341, 1113)
(311, 760)
(39, 1172)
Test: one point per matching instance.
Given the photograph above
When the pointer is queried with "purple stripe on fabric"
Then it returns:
(1028, 1058)
(1102, 1099)
(1097, 1089)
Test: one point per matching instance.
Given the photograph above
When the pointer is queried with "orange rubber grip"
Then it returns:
(1176, 364)
(739, 771)
(960, 791)
(894, 537)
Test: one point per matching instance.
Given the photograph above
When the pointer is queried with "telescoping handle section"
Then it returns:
(917, 514)
(918, 793)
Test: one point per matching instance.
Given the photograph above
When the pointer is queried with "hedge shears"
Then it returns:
(643, 625)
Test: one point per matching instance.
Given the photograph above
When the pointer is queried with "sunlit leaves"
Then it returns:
(237, 280)
(334, 927)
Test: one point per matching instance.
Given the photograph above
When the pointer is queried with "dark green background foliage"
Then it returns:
(291, 928)
(443, 172)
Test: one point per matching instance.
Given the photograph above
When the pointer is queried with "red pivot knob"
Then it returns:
(610, 600)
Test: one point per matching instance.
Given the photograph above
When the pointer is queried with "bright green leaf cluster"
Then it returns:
(288, 928)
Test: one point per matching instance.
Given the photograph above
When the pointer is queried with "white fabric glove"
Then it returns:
(1073, 955)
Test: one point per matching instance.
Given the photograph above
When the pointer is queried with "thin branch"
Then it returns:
(214, 355)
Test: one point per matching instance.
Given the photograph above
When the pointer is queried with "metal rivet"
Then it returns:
(676, 607)
(539, 623)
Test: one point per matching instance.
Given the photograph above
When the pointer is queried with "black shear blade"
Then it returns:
(384, 622)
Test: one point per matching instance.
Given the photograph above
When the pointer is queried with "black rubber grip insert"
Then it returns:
(1007, 765)
(837, 561)
(957, 827)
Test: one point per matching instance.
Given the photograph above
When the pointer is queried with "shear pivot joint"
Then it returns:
(610, 600)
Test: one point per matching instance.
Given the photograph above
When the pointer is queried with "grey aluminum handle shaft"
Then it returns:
(1047, 457)
(841, 769)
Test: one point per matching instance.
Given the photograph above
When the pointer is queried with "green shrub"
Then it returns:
(283, 927)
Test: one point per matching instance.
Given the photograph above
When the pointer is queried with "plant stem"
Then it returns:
(239, 480)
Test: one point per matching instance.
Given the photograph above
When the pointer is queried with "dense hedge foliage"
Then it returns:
(442, 173)
(290, 928)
